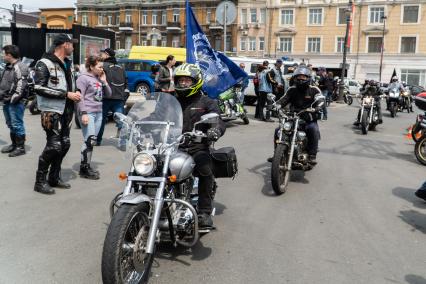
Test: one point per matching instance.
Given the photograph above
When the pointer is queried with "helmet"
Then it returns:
(394, 79)
(299, 83)
(192, 71)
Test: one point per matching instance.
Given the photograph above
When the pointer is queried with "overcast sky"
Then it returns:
(34, 5)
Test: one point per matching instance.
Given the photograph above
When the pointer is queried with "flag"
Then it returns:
(219, 72)
(393, 75)
(348, 43)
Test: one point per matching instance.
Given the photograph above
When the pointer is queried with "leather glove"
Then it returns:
(213, 134)
(15, 98)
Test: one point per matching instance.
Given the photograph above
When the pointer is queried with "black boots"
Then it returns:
(87, 172)
(313, 159)
(19, 148)
(41, 183)
(11, 147)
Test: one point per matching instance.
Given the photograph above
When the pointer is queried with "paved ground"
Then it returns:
(353, 219)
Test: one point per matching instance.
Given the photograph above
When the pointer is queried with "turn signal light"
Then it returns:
(122, 176)
(172, 178)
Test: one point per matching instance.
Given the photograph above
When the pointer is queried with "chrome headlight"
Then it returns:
(144, 164)
(288, 125)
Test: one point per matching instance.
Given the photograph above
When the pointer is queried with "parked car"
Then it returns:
(415, 90)
(138, 73)
(353, 85)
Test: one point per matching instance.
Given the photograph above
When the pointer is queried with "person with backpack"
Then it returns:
(116, 78)
(14, 90)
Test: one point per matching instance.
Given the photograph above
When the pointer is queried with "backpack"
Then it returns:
(116, 78)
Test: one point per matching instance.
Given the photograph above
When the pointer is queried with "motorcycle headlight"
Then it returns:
(288, 125)
(144, 164)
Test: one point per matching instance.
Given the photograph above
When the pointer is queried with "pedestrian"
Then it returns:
(116, 78)
(165, 76)
(322, 84)
(56, 95)
(93, 86)
(14, 91)
(256, 88)
(244, 84)
(265, 88)
(275, 77)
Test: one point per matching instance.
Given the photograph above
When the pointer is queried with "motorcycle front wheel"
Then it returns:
(420, 150)
(279, 174)
(123, 258)
(393, 109)
(349, 100)
(364, 122)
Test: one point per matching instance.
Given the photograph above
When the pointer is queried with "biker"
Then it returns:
(395, 84)
(371, 88)
(301, 96)
(188, 82)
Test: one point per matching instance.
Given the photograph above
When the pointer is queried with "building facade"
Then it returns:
(314, 31)
(156, 23)
(57, 18)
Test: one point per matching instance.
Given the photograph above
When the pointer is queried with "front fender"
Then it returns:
(134, 198)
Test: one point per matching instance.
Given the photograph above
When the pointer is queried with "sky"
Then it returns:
(34, 5)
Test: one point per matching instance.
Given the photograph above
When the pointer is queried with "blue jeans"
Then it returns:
(327, 96)
(113, 106)
(14, 115)
(94, 125)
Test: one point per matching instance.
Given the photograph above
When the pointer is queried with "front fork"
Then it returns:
(293, 142)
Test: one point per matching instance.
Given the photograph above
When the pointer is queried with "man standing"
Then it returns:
(116, 78)
(55, 89)
(275, 76)
(13, 90)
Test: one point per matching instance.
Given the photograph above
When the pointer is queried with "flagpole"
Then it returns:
(224, 28)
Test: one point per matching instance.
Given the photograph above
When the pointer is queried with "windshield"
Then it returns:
(152, 123)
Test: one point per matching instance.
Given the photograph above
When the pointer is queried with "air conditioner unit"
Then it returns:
(244, 33)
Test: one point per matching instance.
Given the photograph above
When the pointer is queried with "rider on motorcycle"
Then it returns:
(188, 82)
(395, 84)
(371, 88)
(301, 96)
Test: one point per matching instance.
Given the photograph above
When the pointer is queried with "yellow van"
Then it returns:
(157, 53)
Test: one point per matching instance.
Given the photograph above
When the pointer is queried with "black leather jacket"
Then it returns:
(300, 101)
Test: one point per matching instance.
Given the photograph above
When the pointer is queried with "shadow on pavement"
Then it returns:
(414, 218)
(415, 279)
(408, 194)
(219, 208)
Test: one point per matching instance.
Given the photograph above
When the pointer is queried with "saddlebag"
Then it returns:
(225, 163)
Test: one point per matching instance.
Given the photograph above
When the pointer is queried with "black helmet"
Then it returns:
(299, 83)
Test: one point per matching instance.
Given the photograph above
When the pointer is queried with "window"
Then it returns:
(243, 44)
(128, 44)
(100, 19)
(408, 44)
(286, 44)
(164, 18)
(175, 41)
(340, 41)
(117, 19)
(128, 18)
(208, 16)
(287, 17)
(314, 44)
(253, 15)
(109, 20)
(376, 15)
(117, 44)
(341, 17)
(144, 41)
(262, 19)
(243, 16)
(410, 14)
(374, 44)
(154, 17)
(261, 43)
(414, 77)
(252, 43)
(315, 16)
(254, 67)
(144, 17)
(175, 16)
(84, 19)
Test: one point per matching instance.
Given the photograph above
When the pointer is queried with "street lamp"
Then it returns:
(382, 48)
(348, 13)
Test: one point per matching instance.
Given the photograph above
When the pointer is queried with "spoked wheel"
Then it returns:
(420, 150)
(365, 122)
(124, 259)
(279, 172)
(349, 100)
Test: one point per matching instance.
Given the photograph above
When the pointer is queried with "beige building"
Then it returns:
(314, 31)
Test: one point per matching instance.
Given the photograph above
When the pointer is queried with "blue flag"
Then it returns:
(219, 72)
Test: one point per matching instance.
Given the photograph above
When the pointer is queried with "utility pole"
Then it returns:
(383, 48)
(14, 12)
(348, 12)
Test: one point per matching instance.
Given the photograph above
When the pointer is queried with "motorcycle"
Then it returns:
(406, 102)
(290, 150)
(418, 131)
(394, 101)
(159, 200)
(369, 118)
(230, 105)
(347, 97)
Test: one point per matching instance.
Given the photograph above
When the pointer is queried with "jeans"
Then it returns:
(14, 116)
(109, 105)
(313, 135)
(94, 125)
(327, 96)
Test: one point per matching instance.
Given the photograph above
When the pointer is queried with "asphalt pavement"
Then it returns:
(352, 219)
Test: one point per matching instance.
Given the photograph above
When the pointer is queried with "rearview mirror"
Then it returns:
(208, 118)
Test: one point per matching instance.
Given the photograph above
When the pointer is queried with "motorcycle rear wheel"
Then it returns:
(127, 231)
(420, 150)
(364, 122)
(279, 175)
